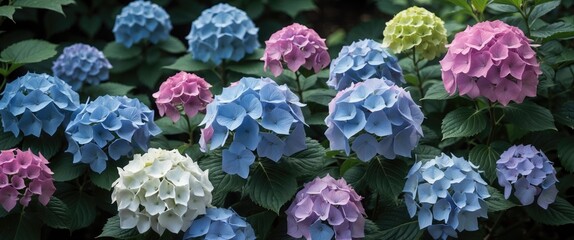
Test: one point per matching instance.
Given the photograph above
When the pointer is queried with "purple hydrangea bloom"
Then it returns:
(531, 174)
(378, 117)
(37, 102)
(109, 127)
(363, 60)
(448, 194)
(222, 32)
(220, 223)
(263, 116)
(141, 21)
(81, 63)
(326, 207)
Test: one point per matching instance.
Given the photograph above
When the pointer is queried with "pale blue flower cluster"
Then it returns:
(139, 21)
(37, 102)
(383, 117)
(242, 108)
(363, 60)
(531, 174)
(222, 32)
(220, 223)
(448, 194)
(111, 124)
(82, 63)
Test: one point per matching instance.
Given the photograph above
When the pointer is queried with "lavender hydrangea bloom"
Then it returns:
(531, 174)
(37, 102)
(243, 108)
(111, 124)
(81, 63)
(139, 21)
(380, 116)
(222, 32)
(448, 194)
(220, 223)
(363, 60)
(326, 201)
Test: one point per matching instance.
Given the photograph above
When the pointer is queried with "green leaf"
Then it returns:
(386, 177)
(309, 161)
(292, 8)
(7, 139)
(464, 5)
(496, 201)
(463, 122)
(112, 229)
(114, 50)
(262, 223)
(186, 63)
(560, 212)
(20, 227)
(529, 116)
(107, 177)
(223, 183)
(566, 153)
(502, 8)
(515, 3)
(542, 9)
(55, 214)
(149, 74)
(320, 96)
(425, 152)
(557, 30)
(64, 169)
(431, 72)
(8, 11)
(317, 118)
(485, 158)
(108, 88)
(395, 223)
(437, 92)
(54, 5)
(28, 51)
(82, 208)
(254, 68)
(169, 127)
(38, 145)
(479, 5)
(270, 186)
(255, 55)
(172, 45)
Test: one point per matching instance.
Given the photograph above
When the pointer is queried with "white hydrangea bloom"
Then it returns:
(161, 190)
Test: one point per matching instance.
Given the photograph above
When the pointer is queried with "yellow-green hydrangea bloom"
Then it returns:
(416, 27)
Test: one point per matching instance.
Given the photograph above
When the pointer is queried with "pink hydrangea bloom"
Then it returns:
(296, 46)
(23, 175)
(326, 200)
(182, 90)
(491, 59)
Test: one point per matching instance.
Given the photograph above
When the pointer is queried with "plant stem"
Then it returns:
(417, 71)
(493, 121)
(3, 82)
(299, 89)
(190, 129)
(490, 234)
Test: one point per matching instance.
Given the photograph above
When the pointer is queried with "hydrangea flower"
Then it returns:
(491, 59)
(448, 194)
(37, 102)
(380, 116)
(220, 223)
(222, 32)
(242, 109)
(326, 201)
(416, 28)
(161, 190)
(363, 60)
(182, 90)
(531, 174)
(23, 175)
(141, 21)
(109, 127)
(81, 63)
(296, 46)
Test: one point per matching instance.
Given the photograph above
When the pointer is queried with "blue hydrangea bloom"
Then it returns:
(448, 194)
(531, 174)
(141, 20)
(363, 60)
(263, 116)
(109, 127)
(377, 117)
(220, 223)
(37, 102)
(222, 32)
(81, 63)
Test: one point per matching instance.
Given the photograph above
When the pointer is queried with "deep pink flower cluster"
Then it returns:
(296, 46)
(330, 200)
(23, 175)
(182, 90)
(491, 59)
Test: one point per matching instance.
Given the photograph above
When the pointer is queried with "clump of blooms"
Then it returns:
(37, 102)
(296, 46)
(22, 176)
(326, 201)
(242, 109)
(416, 28)
(382, 118)
(531, 174)
(448, 195)
(220, 223)
(161, 190)
(363, 60)
(109, 127)
(141, 21)
(222, 32)
(491, 59)
(81, 63)
(182, 91)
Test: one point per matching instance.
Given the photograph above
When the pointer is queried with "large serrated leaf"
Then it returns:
(529, 116)
(387, 177)
(188, 64)
(566, 153)
(395, 223)
(7, 139)
(564, 115)
(55, 214)
(112, 229)
(114, 50)
(82, 208)
(496, 201)
(64, 169)
(463, 122)
(223, 183)
(254, 68)
(172, 45)
(8, 11)
(39, 145)
(20, 227)
(270, 186)
(485, 158)
(542, 9)
(560, 212)
(262, 223)
(107, 177)
(28, 51)
(309, 161)
(292, 8)
(54, 5)
(319, 96)
(108, 88)
(437, 92)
